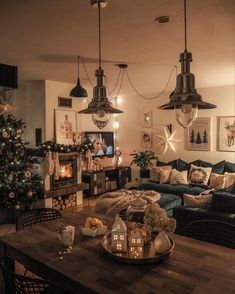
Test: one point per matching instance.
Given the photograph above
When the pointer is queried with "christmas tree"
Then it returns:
(198, 139)
(20, 184)
(192, 137)
(205, 137)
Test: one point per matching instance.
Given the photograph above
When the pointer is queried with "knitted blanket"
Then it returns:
(112, 203)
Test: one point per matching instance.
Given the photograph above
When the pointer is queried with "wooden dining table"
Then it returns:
(193, 267)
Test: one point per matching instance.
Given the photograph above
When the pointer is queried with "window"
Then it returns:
(133, 241)
(115, 237)
(119, 246)
(122, 237)
(138, 241)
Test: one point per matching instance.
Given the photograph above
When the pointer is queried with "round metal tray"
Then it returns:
(149, 254)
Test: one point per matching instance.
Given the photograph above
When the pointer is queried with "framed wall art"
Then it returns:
(147, 119)
(198, 137)
(65, 102)
(65, 126)
(146, 139)
(226, 138)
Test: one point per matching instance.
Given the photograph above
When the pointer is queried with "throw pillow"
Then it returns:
(155, 173)
(217, 168)
(172, 163)
(199, 201)
(178, 177)
(199, 175)
(217, 181)
(229, 167)
(182, 165)
(165, 175)
(230, 179)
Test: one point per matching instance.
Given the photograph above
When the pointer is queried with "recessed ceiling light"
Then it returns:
(162, 19)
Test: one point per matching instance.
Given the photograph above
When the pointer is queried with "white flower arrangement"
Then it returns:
(156, 220)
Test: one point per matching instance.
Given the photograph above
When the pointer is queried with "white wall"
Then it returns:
(29, 102)
(131, 123)
(31, 107)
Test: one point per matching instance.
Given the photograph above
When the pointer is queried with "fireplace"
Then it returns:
(67, 174)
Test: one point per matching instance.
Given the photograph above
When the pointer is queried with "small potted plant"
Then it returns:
(143, 160)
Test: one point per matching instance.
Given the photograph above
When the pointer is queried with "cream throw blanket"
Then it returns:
(112, 203)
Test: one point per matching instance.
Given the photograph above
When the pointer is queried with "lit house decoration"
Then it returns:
(119, 235)
(136, 244)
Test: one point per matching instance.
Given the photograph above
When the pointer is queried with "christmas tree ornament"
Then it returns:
(29, 194)
(28, 174)
(11, 195)
(17, 166)
(5, 134)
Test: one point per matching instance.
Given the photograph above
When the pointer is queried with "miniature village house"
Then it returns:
(136, 244)
(119, 235)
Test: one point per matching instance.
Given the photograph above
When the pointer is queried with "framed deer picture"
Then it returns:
(226, 139)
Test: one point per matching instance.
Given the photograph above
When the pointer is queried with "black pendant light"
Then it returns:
(100, 107)
(78, 90)
(185, 99)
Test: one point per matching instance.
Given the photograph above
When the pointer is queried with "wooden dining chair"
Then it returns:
(36, 216)
(212, 231)
(18, 284)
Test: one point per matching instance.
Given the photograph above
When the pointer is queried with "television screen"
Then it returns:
(103, 143)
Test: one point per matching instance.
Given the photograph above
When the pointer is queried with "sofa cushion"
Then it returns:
(196, 190)
(168, 201)
(199, 175)
(178, 190)
(229, 179)
(223, 202)
(155, 172)
(165, 174)
(172, 163)
(179, 177)
(161, 188)
(182, 165)
(199, 201)
(217, 181)
(217, 168)
(195, 162)
(229, 167)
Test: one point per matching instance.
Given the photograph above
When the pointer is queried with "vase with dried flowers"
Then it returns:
(156, 220)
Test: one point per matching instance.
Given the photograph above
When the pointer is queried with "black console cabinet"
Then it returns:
(108, 179)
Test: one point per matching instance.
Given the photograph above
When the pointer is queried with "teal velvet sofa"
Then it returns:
(172, 195)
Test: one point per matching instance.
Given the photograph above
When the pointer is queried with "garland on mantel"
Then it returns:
(43, 148)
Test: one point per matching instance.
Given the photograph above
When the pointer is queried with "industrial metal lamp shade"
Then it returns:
(185, 92)
(78, 91)
(100, 107)
(184, 99)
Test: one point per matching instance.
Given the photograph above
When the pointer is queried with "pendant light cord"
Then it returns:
(78, 65)
(185, 26)
(155, 97)
(99, 36)
(84, 67)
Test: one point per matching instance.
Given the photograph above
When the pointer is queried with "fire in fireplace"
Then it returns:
(67, 174)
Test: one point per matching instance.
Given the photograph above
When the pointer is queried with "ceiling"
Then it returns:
(44, 37)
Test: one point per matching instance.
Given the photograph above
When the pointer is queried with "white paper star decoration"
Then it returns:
(167, 141)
